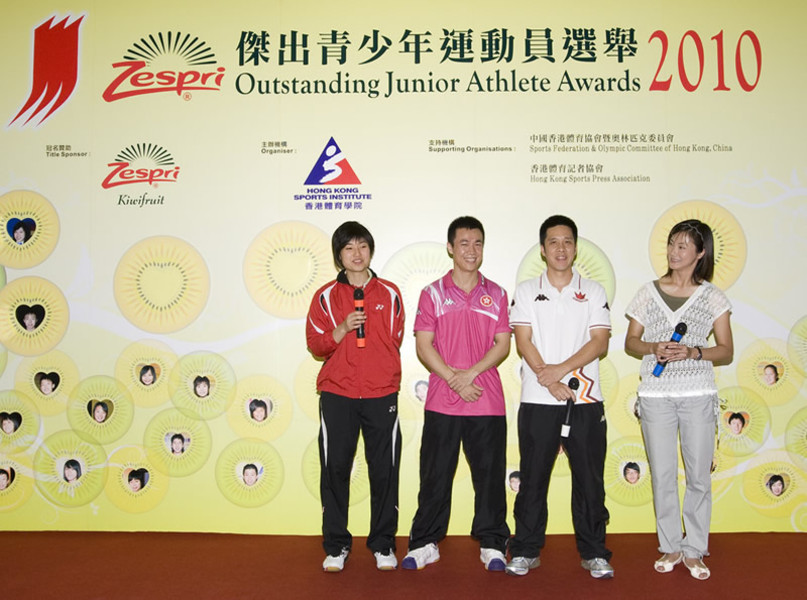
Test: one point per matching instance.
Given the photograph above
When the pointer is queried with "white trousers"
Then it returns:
(663, 419)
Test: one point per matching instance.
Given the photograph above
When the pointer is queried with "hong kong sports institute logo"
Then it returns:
(332, 168)
(142, 163)
(55, 69)
(165, 62)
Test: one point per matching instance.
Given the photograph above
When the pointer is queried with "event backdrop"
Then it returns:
(171, 174)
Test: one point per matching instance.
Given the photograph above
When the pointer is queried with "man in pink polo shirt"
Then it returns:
(462, 333)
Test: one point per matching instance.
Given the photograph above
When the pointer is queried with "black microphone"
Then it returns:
(573, 384)
(358, 304)
(679, 332)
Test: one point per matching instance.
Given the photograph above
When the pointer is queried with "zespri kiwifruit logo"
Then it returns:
(165, 62)
(141, 163)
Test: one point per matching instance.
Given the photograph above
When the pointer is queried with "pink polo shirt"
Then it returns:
(464, 327)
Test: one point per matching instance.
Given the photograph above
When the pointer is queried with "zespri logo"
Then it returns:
(190, 65)
(142, 163)
(55, 68)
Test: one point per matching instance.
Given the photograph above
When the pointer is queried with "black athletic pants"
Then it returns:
(341, 420)
(538, 441)
(483, 440)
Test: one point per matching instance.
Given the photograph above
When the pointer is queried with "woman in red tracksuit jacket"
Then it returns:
(358, 389)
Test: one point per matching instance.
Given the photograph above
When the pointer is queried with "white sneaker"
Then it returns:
(336, 562)
(521, 565)
(493, 559)
(420, 557)
(598, 567)
(386, 562)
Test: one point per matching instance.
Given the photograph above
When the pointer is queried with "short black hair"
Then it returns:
(37, 310)
(249, 466)
(465, 222)
(52, 377)
(15, 418)
(554, 221)
(634, 466)
(734, 416)
(201, 379)
(72, 464)
(346, 233)
(139, 474)
(255, 404)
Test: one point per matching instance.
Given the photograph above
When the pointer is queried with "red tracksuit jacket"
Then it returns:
(370, 372)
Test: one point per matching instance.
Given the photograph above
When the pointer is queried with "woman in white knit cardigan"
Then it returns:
(680, 396)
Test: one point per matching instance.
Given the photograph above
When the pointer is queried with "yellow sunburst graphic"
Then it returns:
(161, 284)
(285, 264)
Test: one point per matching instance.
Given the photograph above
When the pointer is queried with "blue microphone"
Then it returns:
(677, 335)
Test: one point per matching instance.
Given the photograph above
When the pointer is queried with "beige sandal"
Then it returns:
(697, 569)
(667, 563)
